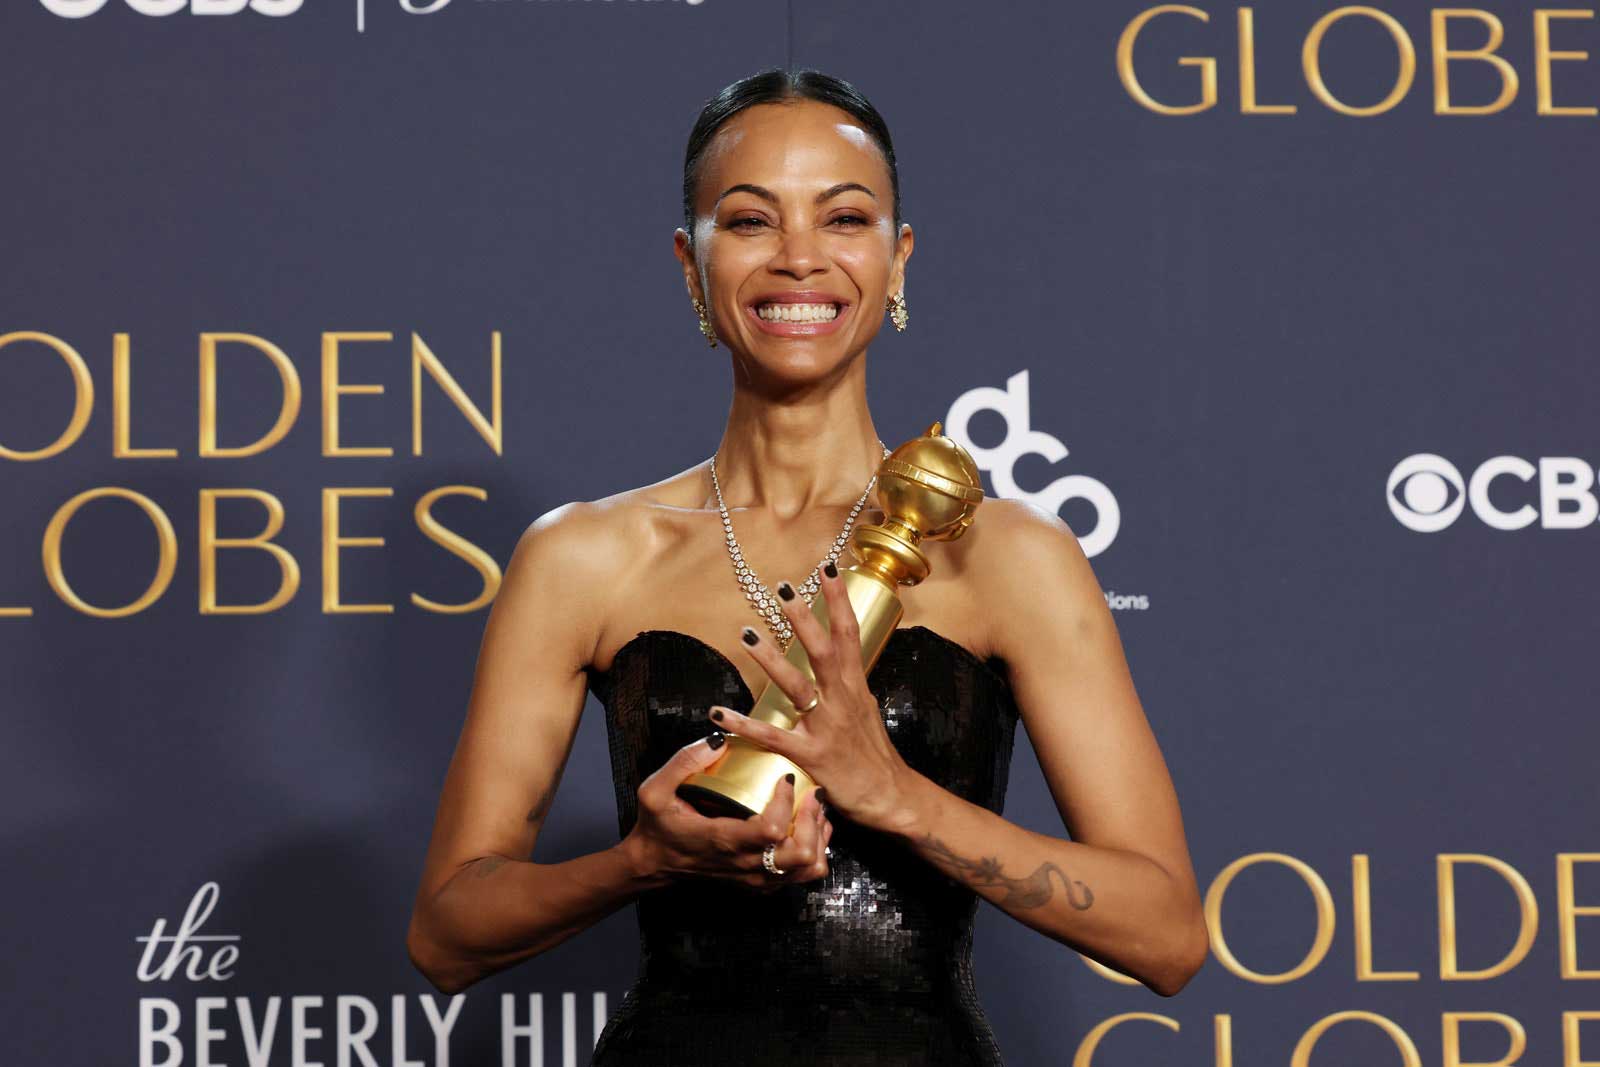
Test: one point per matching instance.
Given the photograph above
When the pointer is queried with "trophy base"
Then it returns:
(712, 804)
(741, 783)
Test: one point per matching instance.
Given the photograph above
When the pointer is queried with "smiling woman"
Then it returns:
(835, 926)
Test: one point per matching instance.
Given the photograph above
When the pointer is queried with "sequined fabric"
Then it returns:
(870, 965)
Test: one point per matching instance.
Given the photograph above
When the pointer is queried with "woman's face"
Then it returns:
(793, 209)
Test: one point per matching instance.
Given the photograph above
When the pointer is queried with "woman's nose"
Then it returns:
(799, 251)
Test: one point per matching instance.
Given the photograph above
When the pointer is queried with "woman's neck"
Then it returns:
(786, 457)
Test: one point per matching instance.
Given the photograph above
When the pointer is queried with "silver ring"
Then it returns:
(815, 699)
(768, 860)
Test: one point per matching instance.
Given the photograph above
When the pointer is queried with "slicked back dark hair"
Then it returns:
(773, 86)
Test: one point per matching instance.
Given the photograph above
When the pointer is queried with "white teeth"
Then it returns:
(798, 312)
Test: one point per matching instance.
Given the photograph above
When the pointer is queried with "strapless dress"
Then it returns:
(871, 965)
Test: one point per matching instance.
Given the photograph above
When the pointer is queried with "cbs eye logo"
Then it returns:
(77, 9)
(1420, 492)
(1012, 405)
(1426, 493)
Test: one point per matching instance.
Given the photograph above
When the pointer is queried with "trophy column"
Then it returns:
(929, 489)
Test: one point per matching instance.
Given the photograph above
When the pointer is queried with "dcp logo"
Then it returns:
(1012, 405)
(77, 9)
(1427, 493)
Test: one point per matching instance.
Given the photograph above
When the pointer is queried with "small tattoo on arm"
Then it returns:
(1033, 891)
(487, 865)
(537, 812)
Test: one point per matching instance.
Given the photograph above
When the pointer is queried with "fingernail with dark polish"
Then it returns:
(716, 713)
(749, 635)
(716, 739)
(786, 590)
(820, 796)
(789, 778)
(830, 570)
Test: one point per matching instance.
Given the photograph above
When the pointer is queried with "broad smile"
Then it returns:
(813, 316)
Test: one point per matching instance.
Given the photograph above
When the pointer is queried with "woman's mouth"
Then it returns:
(785, 319)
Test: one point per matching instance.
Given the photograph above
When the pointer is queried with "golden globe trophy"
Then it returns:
(928, 489)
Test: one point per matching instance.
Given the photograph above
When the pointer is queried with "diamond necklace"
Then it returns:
(764, 600)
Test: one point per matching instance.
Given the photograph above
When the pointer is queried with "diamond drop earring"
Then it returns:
(896, 307)
(705, 323)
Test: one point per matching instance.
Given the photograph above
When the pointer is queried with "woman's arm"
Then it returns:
(495, 911)
(1123, 890)
(1118, 906)
(482, 905)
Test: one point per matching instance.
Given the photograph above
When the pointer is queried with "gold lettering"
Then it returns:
(1543, 57)
(288, 568)
(121, 403)
(1448, 967)
(459, 546)
(1308, 1042)
(166, 538)
(1130, 80)
(1362, 885)
(1319, 893)
(332, 542)
(1310, 60)
(1222, 1041)
(83, 395)
(1567, 912)
(332, 389)
(1443, 54)
(1084, 1057)
(422, 355)
(1247, 71)
(288, 409)
(1572, 1040)
(1452, 1037)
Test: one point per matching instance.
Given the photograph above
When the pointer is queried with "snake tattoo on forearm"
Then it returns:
(1032, 891)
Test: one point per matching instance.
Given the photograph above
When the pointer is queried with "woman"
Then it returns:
(836, 930)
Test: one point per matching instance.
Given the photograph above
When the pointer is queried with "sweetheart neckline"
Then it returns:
(716, 653)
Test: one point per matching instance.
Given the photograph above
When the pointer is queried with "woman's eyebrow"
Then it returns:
(768, 195)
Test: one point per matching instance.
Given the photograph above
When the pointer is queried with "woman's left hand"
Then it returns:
(842, 742)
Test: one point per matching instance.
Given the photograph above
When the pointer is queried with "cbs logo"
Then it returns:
(77, 9)
(1012, 405)
(1427, 493)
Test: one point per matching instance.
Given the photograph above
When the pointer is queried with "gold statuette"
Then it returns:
(929, 490)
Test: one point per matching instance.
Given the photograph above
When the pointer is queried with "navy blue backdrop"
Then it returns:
(1309, 368)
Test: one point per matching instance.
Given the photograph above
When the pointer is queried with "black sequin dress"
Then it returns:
(871, 965)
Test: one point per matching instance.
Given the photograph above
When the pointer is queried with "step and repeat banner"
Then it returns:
(309, 307)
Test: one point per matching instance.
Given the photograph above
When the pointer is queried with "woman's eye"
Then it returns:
(749, 222)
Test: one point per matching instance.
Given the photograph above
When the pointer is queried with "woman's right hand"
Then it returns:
(676, 839)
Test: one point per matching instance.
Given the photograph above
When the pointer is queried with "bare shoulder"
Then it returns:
(1028, 567)
(1018, 539)
(587, 536)
(574, 556)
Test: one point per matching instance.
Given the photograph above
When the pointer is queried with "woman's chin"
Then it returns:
(807, 361)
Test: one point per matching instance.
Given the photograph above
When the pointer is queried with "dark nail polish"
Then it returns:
(749, 636)
(789, 778)
(716, 713)
(820, 796)
(830, 570)
(786, 590)
(716, 739)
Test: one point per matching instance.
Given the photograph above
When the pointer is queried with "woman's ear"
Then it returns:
(903, 245)
(685, 253)
(902, 252)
